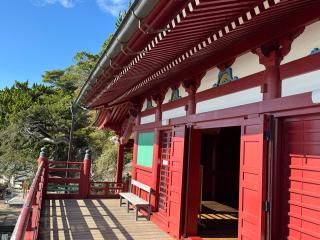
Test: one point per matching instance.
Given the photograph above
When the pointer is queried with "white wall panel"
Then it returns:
(300, 84)
(144, 106)
(209, 79)
(173, 113)
(182, 93)
(148, 119)
(247, 96)
(246, 65)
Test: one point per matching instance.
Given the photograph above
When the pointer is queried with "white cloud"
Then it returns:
(113, 6)
(64, 3)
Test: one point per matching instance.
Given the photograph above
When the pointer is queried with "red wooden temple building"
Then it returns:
(222, 98)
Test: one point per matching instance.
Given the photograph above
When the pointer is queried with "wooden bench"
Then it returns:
(135, 199)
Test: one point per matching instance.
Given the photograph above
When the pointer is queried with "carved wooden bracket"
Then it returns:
(128, 123)
(159, 97)
(273, 52)
(175, 86)
(190, 87)
(223, 66)
(192, 84)
(134, 109)
(135, 106)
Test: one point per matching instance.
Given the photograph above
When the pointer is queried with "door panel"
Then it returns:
(301, 198)
(175, 181)
(252, 179)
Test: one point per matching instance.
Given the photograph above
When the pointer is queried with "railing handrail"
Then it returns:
(24, 217)
(106, 182)
(28, 222)
(64, 162)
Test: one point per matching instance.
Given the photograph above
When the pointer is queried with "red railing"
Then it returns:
(28, 221)
(65, 180)
(107, 189)
(60, 180)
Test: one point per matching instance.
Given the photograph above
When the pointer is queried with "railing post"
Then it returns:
(85, 178)
(43, 158)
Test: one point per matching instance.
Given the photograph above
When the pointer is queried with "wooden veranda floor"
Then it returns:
(94, 219)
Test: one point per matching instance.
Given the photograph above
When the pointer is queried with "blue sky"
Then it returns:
(40, 35)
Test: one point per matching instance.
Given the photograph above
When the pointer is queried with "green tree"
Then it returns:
(39, 115)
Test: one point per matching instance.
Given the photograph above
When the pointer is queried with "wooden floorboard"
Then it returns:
(94, 219)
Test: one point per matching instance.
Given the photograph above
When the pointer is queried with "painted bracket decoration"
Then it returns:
(175, 95)
(315, 51)
(149, 104)
(225, 76)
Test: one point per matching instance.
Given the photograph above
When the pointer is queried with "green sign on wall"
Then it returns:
(145, 149)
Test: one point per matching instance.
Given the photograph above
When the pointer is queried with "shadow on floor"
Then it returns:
(218, 224)
(93, 219)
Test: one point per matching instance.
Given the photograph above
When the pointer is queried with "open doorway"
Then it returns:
(220, 154)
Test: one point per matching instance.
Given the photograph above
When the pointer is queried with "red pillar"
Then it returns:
(158, 98)
(158, 112)
(155, 166)
(84, 188)
(272, 79)
(193, 184)
(135, 146)
(270, 55)
(134, 158)
(191, 100)
(119, 164)
(191, 85)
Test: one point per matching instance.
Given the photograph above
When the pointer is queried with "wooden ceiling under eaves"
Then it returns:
(112, 117)
(202, 34)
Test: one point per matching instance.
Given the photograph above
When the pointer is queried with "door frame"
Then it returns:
(300, 107)
(279, 115)
(192, 189)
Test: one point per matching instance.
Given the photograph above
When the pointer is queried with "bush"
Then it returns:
(104, 167)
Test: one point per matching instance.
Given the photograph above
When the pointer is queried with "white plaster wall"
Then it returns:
(144, 107)
(300, 84)
(182, 93)
(148, 119)
(167, 96)
(173, 113)
(247, 96)
(303, 45)
(243, 66)
(247, 64)
(209, 79)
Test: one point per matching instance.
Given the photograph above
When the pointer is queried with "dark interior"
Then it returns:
(220, 154)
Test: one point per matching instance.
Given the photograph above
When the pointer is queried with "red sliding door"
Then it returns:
(176, 181)
(252, 179)
(300, 188)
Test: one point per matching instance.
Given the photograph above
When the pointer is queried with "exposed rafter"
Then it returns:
(199, 30)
